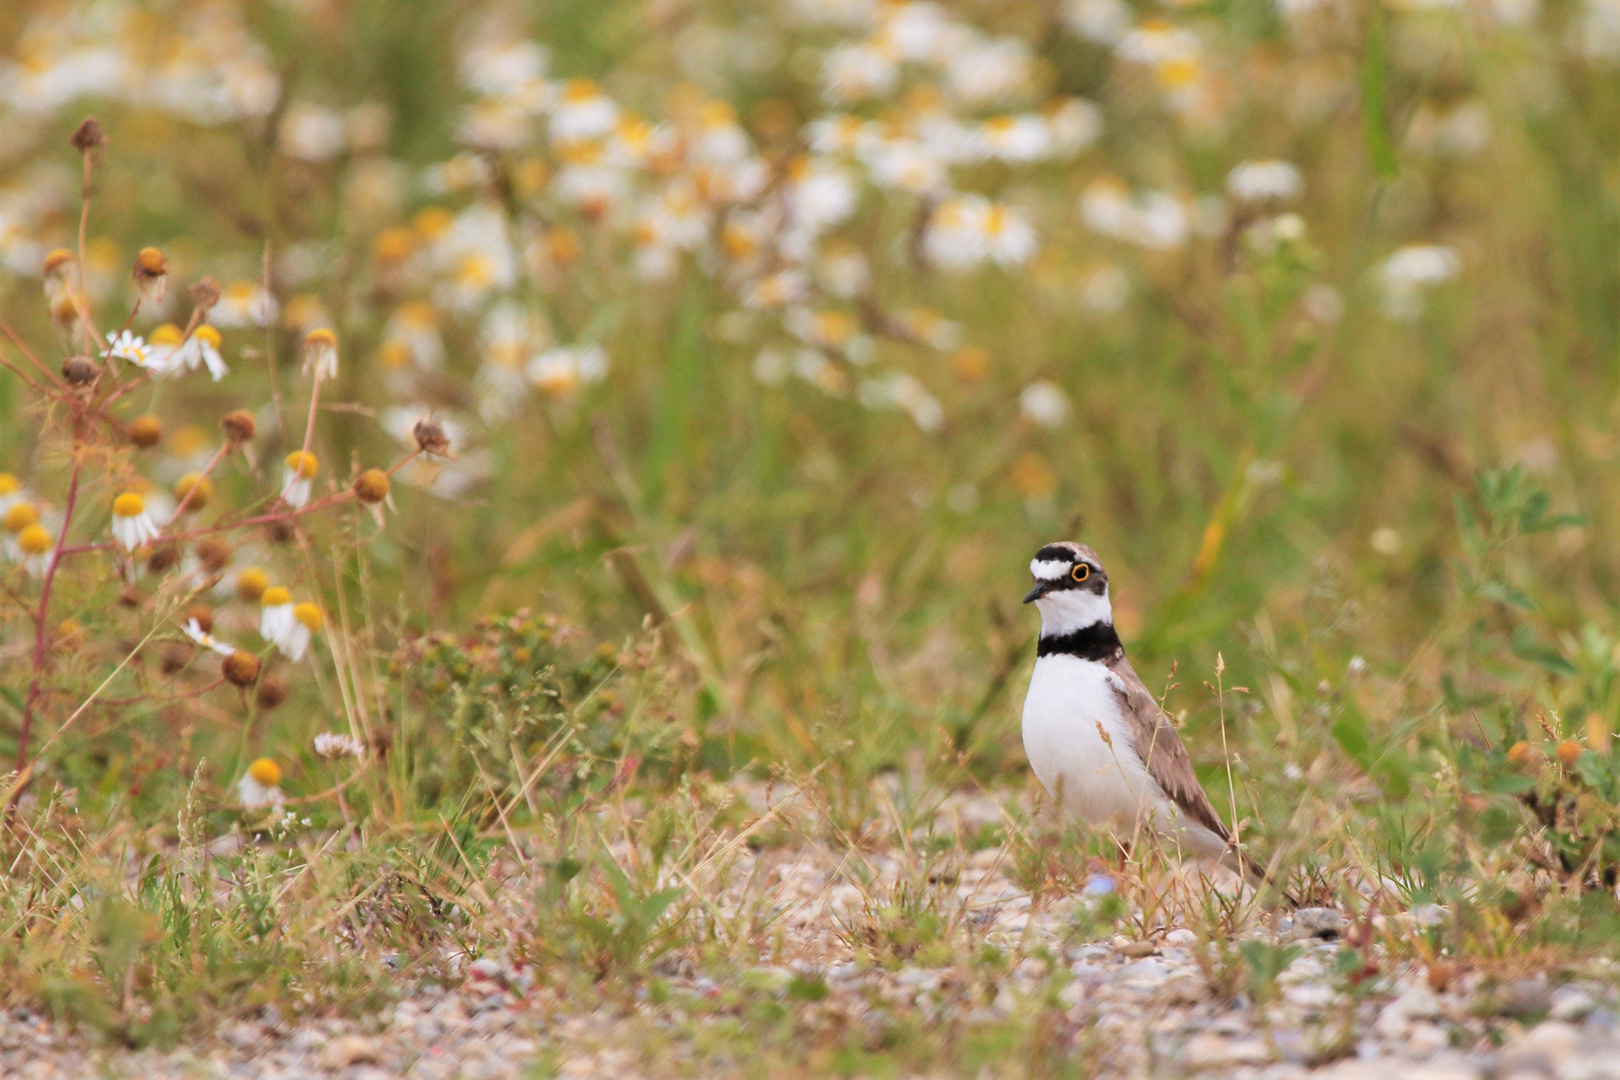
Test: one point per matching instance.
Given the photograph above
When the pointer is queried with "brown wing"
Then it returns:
(1161, 748)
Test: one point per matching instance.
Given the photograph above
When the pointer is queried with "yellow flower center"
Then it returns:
(303, 463)
(265, 772)
(320, 338)
(251, 583)
(19, 517)
(309, 615)
(34, 540)
(207, 335)
(129, 505)
(275, 596)
(8, 484)
(167, 334)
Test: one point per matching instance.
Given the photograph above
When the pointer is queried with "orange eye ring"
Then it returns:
(1080, 572)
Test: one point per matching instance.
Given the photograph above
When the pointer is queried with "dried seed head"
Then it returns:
(239, 426)
(145, 431)
(195, 486)
(88, 136)
(1569, 752)
(80, 370)
(280, 531)
(272, 692)
(241, 668)
(430, 438)
(371, 486)
(205, 294)
(163, 559)
(213, 553)
(151, 275)
(203, 616)
(175, 658)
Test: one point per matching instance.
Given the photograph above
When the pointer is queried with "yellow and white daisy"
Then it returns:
(134, 350)
(321, 354)
(244, 303)
(306, 621)
(300, 470)
(34, 548)
(10, 491)
(275, 613)
(193, 630)
(203, 348)
(132, 524)
(260, 786)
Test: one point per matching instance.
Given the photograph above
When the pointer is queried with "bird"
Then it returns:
(1096, 739)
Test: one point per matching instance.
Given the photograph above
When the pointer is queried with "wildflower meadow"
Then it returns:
(517, 509)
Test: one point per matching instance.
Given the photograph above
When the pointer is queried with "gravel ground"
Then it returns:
(1127, 1008)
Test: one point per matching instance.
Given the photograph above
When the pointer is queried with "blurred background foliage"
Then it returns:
(1263, 398)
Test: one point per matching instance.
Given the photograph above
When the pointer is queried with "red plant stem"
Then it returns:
(185, 502)
(82, 301)
(6, 329)
(309, 428)
(41, 617)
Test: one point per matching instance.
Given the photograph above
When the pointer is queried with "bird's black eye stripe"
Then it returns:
(1080, 572)
(1054, 553)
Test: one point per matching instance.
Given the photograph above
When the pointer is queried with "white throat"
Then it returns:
(1068, 610)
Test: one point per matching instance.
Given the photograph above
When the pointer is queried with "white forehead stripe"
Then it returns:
(1049, 569)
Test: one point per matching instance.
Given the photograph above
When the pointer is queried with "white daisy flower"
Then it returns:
(1264, 181)
(132, 525)
(296, 634)
(321, 353)
(260, 786)
(194, 631)
(275, 613)
(132, 349)
(297, 475)
(1044, 403)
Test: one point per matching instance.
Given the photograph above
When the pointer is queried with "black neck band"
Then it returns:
(1095, 642)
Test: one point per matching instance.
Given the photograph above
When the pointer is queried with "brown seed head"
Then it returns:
(146, 431)
(205, 294)
(1440, 975)
(202, 615)
(162, 559)
(241, 668)
(1569, 752)
(371, 486)
(175, 658)
(280, 531)
(1523, 754)
(272, 692)
(80, 370)
(88, 136)
(430, 438)
(213, 553)
(239, 426)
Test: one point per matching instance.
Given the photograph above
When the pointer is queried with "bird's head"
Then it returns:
(1071, 588)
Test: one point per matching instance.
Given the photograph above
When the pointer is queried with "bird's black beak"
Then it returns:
(1040, 590)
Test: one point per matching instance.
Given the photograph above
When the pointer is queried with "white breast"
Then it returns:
(1070, 706)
